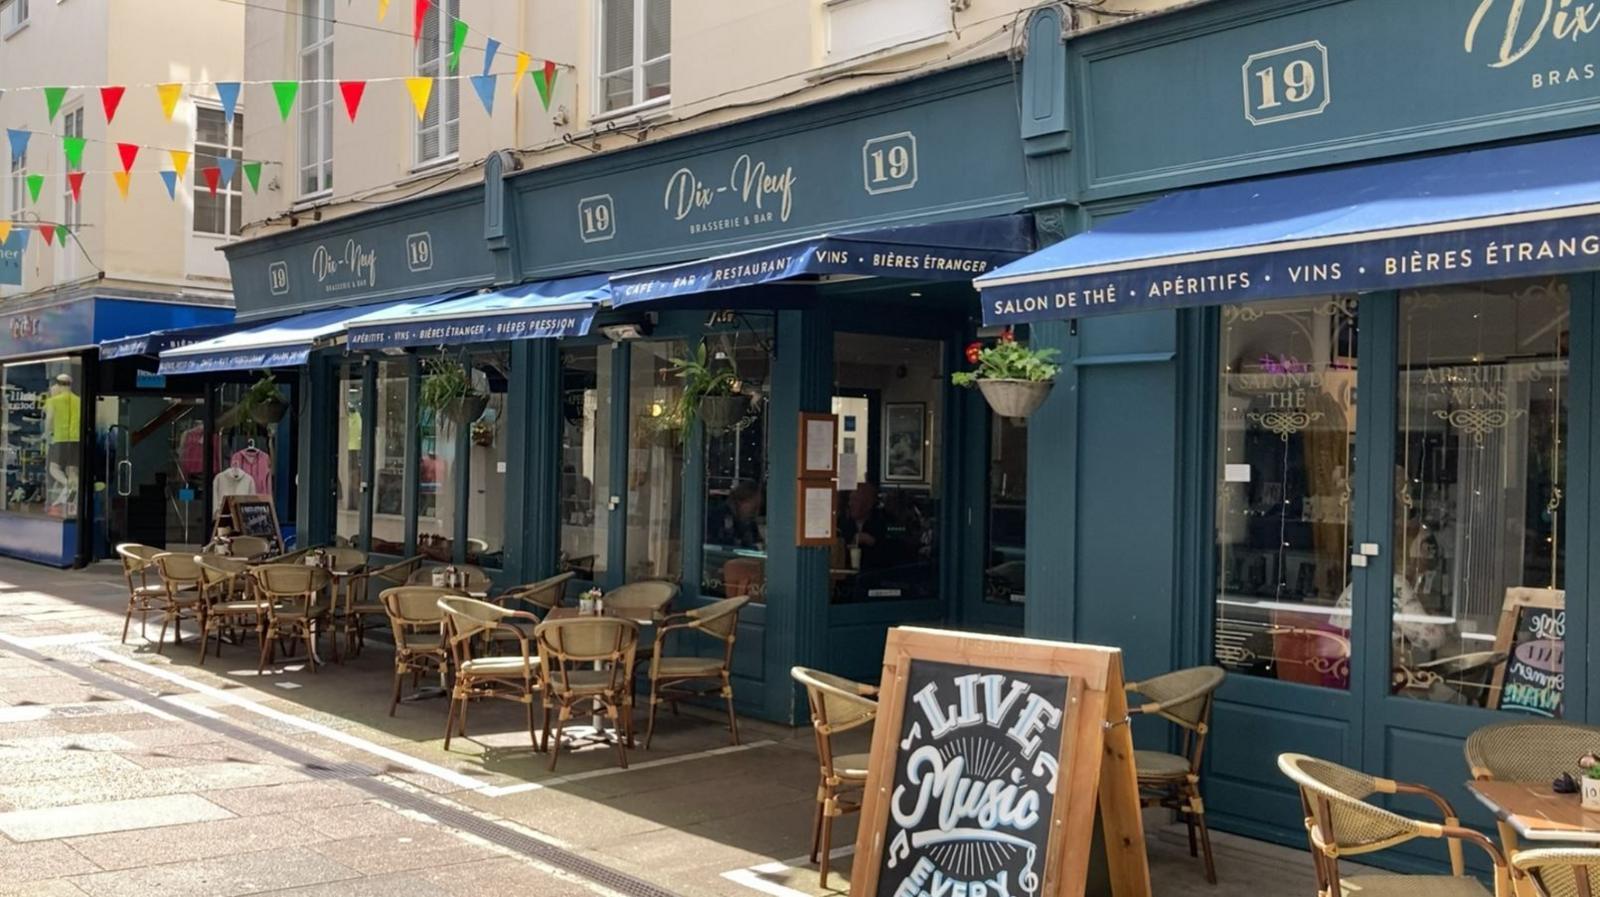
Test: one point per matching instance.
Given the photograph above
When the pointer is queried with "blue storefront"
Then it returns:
(1326, 305)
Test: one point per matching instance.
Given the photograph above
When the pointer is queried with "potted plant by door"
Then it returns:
(710, 393)
(263, 402)
(448, 391)
(1013, 378)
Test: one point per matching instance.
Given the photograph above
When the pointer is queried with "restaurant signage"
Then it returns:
(11, 250)
(540, 324)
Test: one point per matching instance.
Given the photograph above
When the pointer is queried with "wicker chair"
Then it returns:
(544, 595)
(1183, 698)
(837, 705)
(366, 589)
(1527, 751)
(719, 620)
(295, 605)
(588, 660)
(1340, 822)
(181, 580)
(250, 547)
(144, 597)
(226, 599)
(417, 622)
(512, 678)
(1561, 871)
(645, 599)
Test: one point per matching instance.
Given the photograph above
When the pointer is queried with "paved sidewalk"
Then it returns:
(129, 773)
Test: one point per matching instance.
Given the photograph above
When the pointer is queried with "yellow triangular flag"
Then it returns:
(122, 178)
(169, 97)
(180, 161)
(421, 89)
(5, 231)
(523, 61)
(383, 9)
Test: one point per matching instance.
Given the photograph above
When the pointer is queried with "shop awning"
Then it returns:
(1513, 211)
(551, 308)
(284, 343)
(158, 341)
(955, 250)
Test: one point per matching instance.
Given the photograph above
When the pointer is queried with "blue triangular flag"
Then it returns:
(228, 167)
(18, 238)
(484, 85)
(19, 143)
(170, 178)
(489, 49)
(228, 92)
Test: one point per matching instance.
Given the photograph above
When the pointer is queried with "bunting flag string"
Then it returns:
(72, 147)
(110, 99)
(352, 91)
(421, 89)
(168, 95)
(75, 184)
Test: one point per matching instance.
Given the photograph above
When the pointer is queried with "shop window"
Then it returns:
(655, 462)
(391, 453)
(858, 27)
(635, 53)
(734, 553)
(1480, 515)
(487, 465)
(347, 452)
(438, 135)
(1284, 499)
(247, 442)
(889, 398)
(42, 454)
(585, 458)
(316, 97)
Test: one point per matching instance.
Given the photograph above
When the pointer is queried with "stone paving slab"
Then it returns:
(229, 876)
(55, 821)
(172, 843)
(142, 783)
(389, 852)
(286, 798)
(38, 861)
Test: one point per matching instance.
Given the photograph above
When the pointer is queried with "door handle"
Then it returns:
(124, 478)
(613, 503)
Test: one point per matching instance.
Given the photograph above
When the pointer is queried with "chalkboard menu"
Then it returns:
(990, 758)
(251, 515)
(1532, 635)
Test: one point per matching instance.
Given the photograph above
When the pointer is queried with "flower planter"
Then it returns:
(719, 413)
(1015, 398)
(269, 411)
(1591, 793)
(466, 409)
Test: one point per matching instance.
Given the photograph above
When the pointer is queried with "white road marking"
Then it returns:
(503, 790)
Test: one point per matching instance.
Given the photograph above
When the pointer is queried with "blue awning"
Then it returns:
(551, 308)
(1513, 211)
(285, 343)
(159, 341)
(954, 250)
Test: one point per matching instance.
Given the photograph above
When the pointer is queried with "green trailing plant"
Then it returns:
(445, 380)
(262, 393)
(702, 378)
(1007, 359)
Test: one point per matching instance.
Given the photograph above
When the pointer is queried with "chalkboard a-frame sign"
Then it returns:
(252, 515)
(990, 758)
(1532, 636)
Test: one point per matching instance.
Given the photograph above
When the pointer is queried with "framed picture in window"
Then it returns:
(905, 442)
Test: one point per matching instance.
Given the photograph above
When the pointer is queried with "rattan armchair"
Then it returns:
(588, 661)
(294, 604)
(365, 590)
(144, 597)
(544, 595)
(1527, 751)
(669, 675)
(1561, 871)
(227, 602)
(1340, 823)
(250, 548)
(511, 678)
(1183, 698)
(837, 705)
(417, 622)
(180, 580)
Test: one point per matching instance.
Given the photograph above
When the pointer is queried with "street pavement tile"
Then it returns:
(568, 817)
(356, 820)
(378, 854)
(506, 875)
(287, 798)
(144, 783)
(193, 753)
(94, 818)
(192, 841)
(55, 887)
(399, 884)
(37, 767)
(40, 860)
(783, 828)
(226, 876)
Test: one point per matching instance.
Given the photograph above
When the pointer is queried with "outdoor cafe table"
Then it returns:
(1538, 814)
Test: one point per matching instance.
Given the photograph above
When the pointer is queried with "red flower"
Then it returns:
(974, 352)
(1007, 336)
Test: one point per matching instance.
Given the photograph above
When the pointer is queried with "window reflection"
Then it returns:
(734, 554)
(655, 462)
(585, 458)
(347, 453)
(391, 457)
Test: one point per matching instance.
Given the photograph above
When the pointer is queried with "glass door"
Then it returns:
(155, 470)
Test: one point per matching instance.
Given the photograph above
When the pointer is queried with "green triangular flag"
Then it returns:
(61, 234)
(458, 41)
(35, 184)
(52, 100)
(252, 173)
(73, 147)
(545, 80)
(286, 91)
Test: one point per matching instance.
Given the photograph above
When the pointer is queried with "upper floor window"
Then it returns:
(13, 15)
(439, 130)
(316, 97)
(71, 208)
(215, 138)
(635, 53)
(19, 182)
(859, 27)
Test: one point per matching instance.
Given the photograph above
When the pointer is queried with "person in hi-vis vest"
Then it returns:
(63, 420)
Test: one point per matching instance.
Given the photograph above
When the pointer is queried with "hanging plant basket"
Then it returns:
(269, 411)
(1015, 398)
(720, 413)
(465, 409)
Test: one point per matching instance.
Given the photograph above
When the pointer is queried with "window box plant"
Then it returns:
(447, 390)
(1013, 378)
(263, 403)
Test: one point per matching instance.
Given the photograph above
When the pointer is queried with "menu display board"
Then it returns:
(251, 515)
(1532, 635)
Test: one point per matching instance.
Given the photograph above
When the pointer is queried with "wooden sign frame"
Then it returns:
(1095, 771)
(231, 518)
(808, 446)
(1517, 598)
(800, 498)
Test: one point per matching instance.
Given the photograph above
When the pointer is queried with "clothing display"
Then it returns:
(233, 481)
(63, 409)
(256, 463)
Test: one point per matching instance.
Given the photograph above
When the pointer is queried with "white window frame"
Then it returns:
(10, 20)
(636, 65)
(71, 212)
(315, 98)
(446, 96)
(19, 184)
(234, 147)
(923, 23)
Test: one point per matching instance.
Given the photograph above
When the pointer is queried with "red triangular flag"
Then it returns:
(212, 174)
(352, 91)
(75, 184)
(129, 152)
(418, 13)
(110, 97)
(48, 231)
